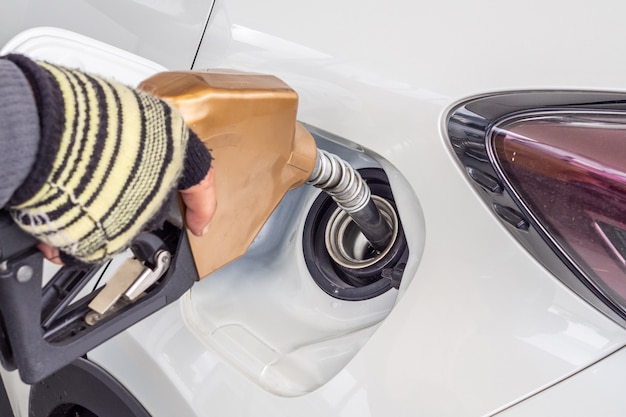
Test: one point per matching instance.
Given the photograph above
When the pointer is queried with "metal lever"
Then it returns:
(128, 283)
(45, 327)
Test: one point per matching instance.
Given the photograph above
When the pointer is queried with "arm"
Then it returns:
(19, 129)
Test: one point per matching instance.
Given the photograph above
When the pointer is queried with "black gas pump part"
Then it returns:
(44, 329)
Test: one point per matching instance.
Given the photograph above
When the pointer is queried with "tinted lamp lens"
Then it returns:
(569, 171)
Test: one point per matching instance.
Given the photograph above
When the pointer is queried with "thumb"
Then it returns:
(201, 203)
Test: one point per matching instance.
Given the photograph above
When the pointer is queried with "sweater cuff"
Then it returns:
(19, 129)
(51, 113)
(197, 162)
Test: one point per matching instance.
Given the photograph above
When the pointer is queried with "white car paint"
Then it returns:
(480, 327)
(166, 31)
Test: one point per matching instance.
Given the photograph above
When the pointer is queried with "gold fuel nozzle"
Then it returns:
(260, 152)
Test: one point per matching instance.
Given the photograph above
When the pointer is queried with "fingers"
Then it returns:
(201, 202)
(50, 253)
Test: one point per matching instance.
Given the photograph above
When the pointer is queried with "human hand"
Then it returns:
(108, 159)
(200, 202)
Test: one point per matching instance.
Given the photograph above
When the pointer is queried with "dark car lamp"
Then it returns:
(569, 171)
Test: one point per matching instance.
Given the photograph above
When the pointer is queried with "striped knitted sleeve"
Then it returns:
(109, 157)
(19, 129)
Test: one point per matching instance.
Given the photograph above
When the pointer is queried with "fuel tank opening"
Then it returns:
(341, 259)
(349, 247)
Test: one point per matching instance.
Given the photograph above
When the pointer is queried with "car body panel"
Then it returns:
(479, 326)
(584, 394)
(166, 31)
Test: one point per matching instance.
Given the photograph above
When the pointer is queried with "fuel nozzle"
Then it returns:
(348, 189)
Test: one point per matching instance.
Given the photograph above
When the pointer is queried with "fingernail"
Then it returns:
(205, 230)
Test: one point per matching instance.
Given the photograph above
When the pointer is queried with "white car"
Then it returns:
(498, 131)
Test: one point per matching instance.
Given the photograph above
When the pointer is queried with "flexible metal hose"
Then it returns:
(352, 194)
